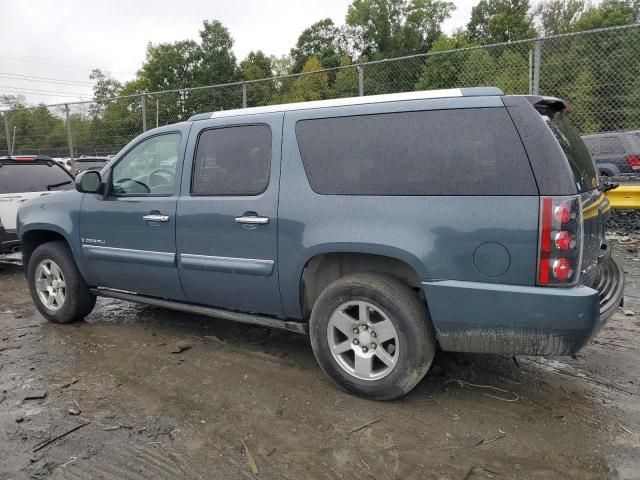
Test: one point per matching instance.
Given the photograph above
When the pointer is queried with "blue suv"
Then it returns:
(382, 226)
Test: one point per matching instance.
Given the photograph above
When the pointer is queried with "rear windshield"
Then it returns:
(444, 152)
(33, 177)
(582, 166)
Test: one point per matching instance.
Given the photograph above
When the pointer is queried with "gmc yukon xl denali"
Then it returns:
(382, 226)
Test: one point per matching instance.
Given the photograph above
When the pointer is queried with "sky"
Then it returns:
(48, 47)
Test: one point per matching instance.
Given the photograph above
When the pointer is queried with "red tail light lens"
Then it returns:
(559, 245)
(633, 161)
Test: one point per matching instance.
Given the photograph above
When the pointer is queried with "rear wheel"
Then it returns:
(372, 336)
(56, 285)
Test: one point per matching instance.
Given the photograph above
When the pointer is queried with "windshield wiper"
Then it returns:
(56, 185)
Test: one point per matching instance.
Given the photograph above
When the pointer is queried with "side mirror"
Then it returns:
(89, 182)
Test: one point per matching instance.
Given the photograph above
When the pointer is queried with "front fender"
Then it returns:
(57, 213)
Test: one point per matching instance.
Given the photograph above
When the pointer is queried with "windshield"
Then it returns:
(33, 177)
(582, 166)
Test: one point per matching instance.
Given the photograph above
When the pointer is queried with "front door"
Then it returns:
(227, 214)
(128, 235)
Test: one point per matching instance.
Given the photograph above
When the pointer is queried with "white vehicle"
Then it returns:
(23, 178)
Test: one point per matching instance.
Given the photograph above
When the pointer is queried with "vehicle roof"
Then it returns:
(612, 134)
(338, 102)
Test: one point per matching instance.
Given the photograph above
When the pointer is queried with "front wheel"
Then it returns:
(372, 336)
(57, 288)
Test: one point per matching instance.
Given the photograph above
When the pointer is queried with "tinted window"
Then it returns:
(582, 166)
(232, 161)
(33, 177)
(149, 168)
(610, 145)
(447, 152)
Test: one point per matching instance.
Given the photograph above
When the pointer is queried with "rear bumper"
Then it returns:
(8, 240)
(511, 319)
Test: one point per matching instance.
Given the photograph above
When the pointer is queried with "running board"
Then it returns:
(262, 320)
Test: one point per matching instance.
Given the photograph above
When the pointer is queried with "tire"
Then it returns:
(383, 299)
(74, 301)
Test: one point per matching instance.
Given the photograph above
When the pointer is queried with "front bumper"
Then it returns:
(512, 319)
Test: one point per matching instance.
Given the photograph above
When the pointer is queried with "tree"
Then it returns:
(478, 70)
(610, 13)
(218, 63)
(558, 16)
(310, 87)
(497, 21)
(322, 40)
(346, 80)
(390, 28)
(441, 70)
(512, 73)
(255, 67)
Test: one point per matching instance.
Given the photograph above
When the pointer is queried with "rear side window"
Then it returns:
(445, 152)
(582, 166)
(33, 177)
(232, 161)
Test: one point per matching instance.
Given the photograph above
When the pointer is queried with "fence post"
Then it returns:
(361, 80)
(244, 94)
(143, 106)
(6, 131)
(69, 135)
(536, 67)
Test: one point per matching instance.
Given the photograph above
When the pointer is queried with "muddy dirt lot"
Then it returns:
(249, 402)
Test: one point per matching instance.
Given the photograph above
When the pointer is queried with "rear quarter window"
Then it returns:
(574, 148)
(33, 177)
(443, 152)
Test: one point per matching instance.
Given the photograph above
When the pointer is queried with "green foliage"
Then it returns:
(558, 16)
(322, 40)
(497, 21)
(512, 73)
(310, 87)
(390, 28)
(610, 13)
(441, 70)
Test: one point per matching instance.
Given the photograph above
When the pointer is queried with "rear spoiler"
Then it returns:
(548, 105)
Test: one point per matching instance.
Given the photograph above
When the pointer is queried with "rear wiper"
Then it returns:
(606, 186)
(56, 185)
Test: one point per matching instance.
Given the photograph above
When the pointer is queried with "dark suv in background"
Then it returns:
(616, 154)
(380, 225)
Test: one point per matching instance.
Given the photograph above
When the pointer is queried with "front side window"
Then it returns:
(232, 161)
(149, 168)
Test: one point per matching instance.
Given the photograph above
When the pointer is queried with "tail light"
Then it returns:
(633, 161)
(560, 241)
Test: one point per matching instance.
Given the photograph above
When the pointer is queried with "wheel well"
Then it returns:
(33, 239)
(324, 269)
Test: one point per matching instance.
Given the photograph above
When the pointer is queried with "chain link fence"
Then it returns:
(598, 72)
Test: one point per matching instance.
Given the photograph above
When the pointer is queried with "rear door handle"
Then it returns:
(156, 218)
(252, 220)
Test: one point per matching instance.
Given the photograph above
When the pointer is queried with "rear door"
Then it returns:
(26, 179)
(227, 214)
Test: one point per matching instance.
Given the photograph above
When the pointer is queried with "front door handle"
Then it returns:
(156, 218)
(252, 220)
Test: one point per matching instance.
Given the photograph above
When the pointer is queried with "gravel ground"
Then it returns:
(248, 402)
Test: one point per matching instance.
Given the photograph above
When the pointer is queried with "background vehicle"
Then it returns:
(616, 154)
(23, 178)
(85, 163)
(327, 217)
